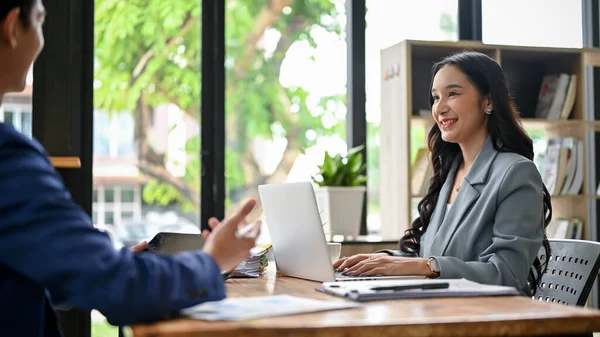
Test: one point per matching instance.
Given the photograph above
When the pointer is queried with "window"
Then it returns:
(109, 217)
(127, 194)
(26, 126)
(113, 134)
(115, 205)
(9, 117)
(127, 215)
(124, 134)
(16, 108)
(18, 115)
(146, 119)
(146, 108)
(109, 195)
(390, 22)
(101, 134)
(285, 103)
(549, 23)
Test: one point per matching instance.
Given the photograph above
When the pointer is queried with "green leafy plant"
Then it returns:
(345, 171)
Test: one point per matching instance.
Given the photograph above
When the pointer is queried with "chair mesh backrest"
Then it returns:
(571, 271)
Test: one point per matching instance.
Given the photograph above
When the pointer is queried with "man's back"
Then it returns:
(48, 246)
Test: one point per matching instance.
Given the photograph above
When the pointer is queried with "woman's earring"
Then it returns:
(488, 111)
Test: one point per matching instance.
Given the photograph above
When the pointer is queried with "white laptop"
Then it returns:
(296, 231)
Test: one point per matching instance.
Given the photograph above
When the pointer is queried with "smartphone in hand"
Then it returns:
(168, 243)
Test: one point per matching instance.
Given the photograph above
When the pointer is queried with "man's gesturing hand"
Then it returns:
(223, 245)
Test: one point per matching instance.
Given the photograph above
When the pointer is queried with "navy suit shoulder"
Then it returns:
(48, 245)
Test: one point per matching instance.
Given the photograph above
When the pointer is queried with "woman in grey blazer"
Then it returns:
(486, 208)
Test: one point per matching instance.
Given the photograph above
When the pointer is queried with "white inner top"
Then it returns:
(448, 206)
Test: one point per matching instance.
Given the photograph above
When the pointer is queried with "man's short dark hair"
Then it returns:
(25, 5)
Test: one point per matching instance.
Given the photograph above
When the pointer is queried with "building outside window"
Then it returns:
(115, 204)
(16, 108)
(119, 185)
(18, 115)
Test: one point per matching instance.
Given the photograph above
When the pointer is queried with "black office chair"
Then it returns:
(572, 269)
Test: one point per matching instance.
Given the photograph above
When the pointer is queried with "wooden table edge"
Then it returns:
(492, 327)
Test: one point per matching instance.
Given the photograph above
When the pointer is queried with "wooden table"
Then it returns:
(482, 316)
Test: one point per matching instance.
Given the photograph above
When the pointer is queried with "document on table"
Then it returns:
(245, 308)
(363, 291)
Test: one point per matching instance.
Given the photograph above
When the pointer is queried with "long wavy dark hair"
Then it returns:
(503, 124)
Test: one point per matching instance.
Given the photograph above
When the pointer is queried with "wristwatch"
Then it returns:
(434, 266)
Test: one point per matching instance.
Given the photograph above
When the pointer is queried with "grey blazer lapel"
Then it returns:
(439, 212)
(466, 197)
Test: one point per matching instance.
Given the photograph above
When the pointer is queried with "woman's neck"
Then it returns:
(471, 148)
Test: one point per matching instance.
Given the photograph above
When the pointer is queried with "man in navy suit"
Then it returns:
(50, 253)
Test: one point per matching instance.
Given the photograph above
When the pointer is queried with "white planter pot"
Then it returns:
(341, 208)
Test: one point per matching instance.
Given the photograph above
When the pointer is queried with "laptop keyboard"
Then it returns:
(340, 277)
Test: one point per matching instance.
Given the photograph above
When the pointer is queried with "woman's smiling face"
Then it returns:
(458, 108)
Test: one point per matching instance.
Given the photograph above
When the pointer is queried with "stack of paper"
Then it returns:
(255, 264)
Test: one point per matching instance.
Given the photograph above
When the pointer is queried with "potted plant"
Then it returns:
(340, 192)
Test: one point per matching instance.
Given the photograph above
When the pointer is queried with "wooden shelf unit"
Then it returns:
(405, 89)
(65, 162)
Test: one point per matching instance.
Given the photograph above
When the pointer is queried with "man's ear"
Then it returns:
(8, 27)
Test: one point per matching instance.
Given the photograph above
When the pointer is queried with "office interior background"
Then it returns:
(178, 110)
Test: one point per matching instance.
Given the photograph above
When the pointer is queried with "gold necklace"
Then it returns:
(457, 188)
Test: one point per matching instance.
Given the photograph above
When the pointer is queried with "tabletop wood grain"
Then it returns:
(476, 316)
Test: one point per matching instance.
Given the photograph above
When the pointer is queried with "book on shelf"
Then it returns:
(570, 98)
(576, 183)
(556, 96)
(563, 166)
(570, 145)
(565, 228)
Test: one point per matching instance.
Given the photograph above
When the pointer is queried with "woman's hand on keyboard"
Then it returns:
(348, 262)
(384, 264)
